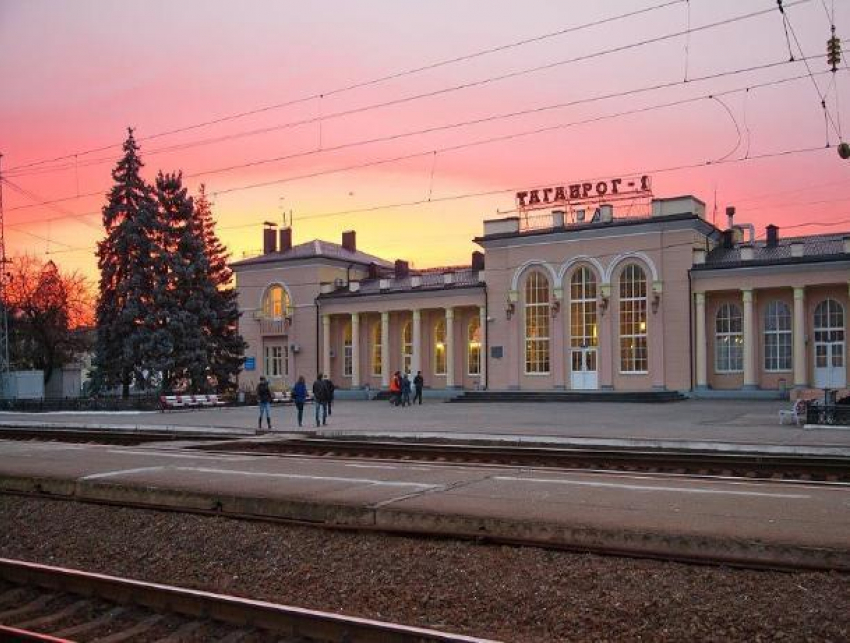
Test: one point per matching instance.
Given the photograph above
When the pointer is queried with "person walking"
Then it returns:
(264, 400)
(405, 390)
(320, 400)
(299, 396)
(395, 389)
(330, 393)
(418, 383)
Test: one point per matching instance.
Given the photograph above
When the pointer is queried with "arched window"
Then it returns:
(440, 347)
(347, 353)
(777, 337)
(377, 345)
(473, 347)
(407, 347)
(634, 357)
(583, 322)
(536, 324)
(276, 303)
(728, 339)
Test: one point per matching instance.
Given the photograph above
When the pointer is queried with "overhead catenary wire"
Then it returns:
(468, 123)
(374, 81)
(462, 86)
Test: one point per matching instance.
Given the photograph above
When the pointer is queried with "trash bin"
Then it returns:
(783, 388)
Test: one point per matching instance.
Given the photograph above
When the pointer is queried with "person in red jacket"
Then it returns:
(395, 388)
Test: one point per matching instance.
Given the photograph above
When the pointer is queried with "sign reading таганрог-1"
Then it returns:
(610, 189)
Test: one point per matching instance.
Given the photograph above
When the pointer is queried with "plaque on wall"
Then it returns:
(496, 352)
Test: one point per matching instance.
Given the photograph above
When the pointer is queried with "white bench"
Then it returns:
(796, 415)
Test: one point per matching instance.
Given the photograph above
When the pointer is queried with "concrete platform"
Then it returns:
(706, 424)
(747, 522)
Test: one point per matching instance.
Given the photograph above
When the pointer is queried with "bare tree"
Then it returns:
(50, 313)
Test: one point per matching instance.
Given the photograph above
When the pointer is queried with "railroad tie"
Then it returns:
(131, 632)
(90, 626)
(184, 632)
(8, 617)
(45, 621)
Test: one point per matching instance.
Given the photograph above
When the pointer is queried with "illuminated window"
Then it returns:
(583, 322)
(276, 303)
(536, 324)
(440, 347)
(777, 337)
(376, 349)
(473, 347)
(634, 356)
(407, 347)
(728, 340)
(347, 353)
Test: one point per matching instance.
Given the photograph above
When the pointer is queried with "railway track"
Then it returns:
(42, 603)
(98, 436)
(701, 463)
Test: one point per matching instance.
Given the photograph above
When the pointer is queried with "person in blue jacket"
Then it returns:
(299, 396)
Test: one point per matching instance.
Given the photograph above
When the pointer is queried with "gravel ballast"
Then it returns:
(507, 593)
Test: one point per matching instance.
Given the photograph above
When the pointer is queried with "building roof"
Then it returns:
(314, 249)
(817, 248)
(430, 280)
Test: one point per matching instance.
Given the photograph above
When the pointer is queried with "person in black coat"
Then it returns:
(264, 400)
(330, 393)
(418, 383)
(320, 400)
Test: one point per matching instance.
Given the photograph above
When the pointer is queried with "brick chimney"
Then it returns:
(285, 239)
(772, 234)
(402, 269)
(349, 240)
(477, 260)
(269, 241)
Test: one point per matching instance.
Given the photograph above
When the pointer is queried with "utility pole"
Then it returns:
(4, 316)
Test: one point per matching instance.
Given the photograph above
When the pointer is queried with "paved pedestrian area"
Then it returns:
(692, 421)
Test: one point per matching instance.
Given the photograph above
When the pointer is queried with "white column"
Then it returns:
(799, 338)
(355, 350)
(326, 345)
(482, 324)
(700, 341)
(416, 331)
(385, 349)
(450, 347)
(749, 340)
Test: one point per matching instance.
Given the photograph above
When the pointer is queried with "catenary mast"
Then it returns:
(4, 318)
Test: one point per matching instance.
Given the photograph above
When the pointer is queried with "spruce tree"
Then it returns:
(127, 257)
(226, 348)
(183, 310)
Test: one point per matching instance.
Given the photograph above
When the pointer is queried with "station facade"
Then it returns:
(662, 300)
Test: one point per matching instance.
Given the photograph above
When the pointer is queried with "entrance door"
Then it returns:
(276, 362)
(830, 370)
(583, 371)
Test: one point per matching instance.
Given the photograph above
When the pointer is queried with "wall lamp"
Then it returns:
(604, 297)
(556, 304)
(513, 297)
(656, 296)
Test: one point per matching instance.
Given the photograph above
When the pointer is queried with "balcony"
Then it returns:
(271, 325)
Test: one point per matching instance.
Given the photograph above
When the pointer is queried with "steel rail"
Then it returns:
(292, 621)
(758, 465)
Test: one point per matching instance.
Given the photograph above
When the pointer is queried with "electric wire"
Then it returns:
(373, 81)
(463, 124)
(467, 85)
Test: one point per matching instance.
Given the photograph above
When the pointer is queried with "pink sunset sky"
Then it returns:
(76, 74)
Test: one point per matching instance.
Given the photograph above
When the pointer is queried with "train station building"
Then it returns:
(594, 286)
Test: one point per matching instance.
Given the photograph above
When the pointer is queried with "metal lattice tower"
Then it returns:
(4, 317)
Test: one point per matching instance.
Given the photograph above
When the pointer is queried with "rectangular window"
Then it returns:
(273, 362)
(347, 360)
